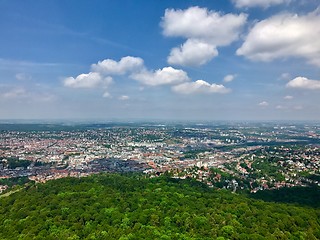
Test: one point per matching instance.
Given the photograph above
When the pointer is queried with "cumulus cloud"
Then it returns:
(87, 80)
(258, 3)
(101, 72)
(192, 53)
(304, 83)
(100, 77)
(199, 86)
(229, 77)
(200, 23)
(263, 104)
(283, 36)
(204, 30)
(131, 67)
(112, 67)
(165, 76)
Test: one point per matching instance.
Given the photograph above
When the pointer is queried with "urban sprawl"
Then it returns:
(247, 156)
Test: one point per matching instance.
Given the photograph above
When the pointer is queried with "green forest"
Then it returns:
(114, 206)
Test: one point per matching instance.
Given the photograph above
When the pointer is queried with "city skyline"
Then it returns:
(165, 60)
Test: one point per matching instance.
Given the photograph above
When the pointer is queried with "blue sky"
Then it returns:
(165, 60)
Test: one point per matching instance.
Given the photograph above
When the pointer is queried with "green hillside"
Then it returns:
(112, 206)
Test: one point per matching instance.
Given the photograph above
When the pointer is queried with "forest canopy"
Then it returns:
(114, 206)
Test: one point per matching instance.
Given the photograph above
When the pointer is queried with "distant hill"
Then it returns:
(113, 206)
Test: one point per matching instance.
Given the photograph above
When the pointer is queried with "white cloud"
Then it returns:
(199, 86)
(204, 30)
(124, 98)
(87, 80)
(288, 97)
(192, 53)
(280, 107)
(165, 76)
(125, 65)
(263, 104)
(100, 77)
(229, 78)
(304, 83)
(283, 36)
(200, 23)
(258, 3)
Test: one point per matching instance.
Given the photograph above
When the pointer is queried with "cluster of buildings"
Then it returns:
(234, 150)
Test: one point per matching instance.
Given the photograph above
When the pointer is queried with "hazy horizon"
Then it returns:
(153, 121)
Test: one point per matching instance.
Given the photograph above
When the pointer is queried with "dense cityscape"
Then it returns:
(236, 156)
